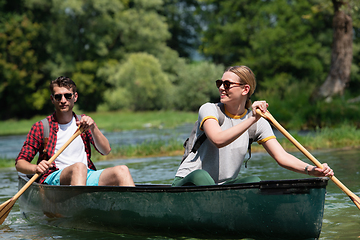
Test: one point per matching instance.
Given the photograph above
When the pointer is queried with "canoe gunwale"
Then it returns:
(268, 185)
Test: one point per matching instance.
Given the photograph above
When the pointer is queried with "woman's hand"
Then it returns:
(326, 171)
(262, 105)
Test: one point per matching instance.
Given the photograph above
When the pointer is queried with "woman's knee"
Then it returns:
(199, 178)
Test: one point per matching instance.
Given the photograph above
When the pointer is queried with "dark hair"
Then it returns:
(62, 82)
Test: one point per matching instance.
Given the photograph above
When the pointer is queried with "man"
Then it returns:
(73, 166)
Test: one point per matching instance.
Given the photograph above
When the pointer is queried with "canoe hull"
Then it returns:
(269, 209)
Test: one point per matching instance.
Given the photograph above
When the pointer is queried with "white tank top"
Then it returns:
(75, 152)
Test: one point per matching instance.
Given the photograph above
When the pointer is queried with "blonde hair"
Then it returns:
(246, 77)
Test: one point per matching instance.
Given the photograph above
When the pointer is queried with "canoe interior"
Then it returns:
(282, 209)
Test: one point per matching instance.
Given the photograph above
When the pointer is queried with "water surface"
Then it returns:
(341, 217)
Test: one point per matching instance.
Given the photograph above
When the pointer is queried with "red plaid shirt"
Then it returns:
(34, 144)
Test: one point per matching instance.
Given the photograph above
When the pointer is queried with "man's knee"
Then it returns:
(77, 167)
(74, 174)
(121, 170)
(118, 175)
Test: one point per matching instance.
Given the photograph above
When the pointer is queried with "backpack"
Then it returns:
(46, 126)
(192, 144)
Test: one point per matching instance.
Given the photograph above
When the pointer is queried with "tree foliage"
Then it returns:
(138, 54)
(138, 83)
(21, 90)
(197, 86)
(272, 37)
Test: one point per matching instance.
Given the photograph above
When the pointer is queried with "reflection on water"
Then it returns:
(341, 218)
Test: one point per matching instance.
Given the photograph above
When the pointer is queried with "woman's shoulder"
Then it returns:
(208, 105)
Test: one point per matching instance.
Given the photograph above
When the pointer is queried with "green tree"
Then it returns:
(21, 90)
(83, 36)
(342, 52)
(197, 85)
(184, 26)
(138, 83)
(272, 37)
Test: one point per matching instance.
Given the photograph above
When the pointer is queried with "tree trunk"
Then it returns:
(341, 55)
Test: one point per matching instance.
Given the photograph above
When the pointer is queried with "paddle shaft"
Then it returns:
(27, 185)
(271, 119)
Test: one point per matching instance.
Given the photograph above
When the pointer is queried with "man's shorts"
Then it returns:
(91, 180)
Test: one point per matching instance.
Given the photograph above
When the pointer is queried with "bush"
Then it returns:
(196, 85)
(138, 84)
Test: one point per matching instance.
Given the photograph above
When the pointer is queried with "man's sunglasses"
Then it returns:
(58, 97)
(226, 83)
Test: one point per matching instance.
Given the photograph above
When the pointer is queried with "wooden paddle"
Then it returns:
(272, 120)
(6, 207)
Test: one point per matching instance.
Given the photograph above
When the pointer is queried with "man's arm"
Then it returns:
(31, 146)
(26, 167)
(101, 142)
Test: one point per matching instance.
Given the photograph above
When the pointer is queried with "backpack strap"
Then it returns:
(251, 131)
(203, 137)
(46, 126)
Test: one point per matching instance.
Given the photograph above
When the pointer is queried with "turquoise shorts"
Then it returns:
(91, 180)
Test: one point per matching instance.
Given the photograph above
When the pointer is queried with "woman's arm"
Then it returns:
(221, 138)
(288, 161)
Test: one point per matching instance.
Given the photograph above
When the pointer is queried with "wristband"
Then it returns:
(306, 169)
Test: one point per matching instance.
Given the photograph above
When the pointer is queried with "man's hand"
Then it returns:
(87, 123)
(42, 167)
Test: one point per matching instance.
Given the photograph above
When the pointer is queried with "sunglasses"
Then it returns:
(226, 83)
(67, 96)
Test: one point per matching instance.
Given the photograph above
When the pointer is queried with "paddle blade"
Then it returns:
(5, 209)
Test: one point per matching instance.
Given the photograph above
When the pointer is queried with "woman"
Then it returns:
(219, 158)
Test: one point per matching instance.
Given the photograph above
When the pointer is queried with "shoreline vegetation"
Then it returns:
(342, 137)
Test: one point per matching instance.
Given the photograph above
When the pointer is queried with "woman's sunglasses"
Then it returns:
(226, 83)
(58, 97)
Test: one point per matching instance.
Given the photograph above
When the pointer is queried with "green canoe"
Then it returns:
(283, 209)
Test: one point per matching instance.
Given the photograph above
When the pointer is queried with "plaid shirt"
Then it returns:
(34, 144)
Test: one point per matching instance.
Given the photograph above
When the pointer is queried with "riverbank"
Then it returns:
(116, 121)
(344, 136)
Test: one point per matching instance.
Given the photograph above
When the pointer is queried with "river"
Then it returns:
(341, 216)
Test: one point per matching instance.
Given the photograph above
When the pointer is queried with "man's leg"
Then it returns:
(116, 176)
(75, 174)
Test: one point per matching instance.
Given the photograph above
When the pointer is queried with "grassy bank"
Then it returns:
(112, 121)
(343, 137)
